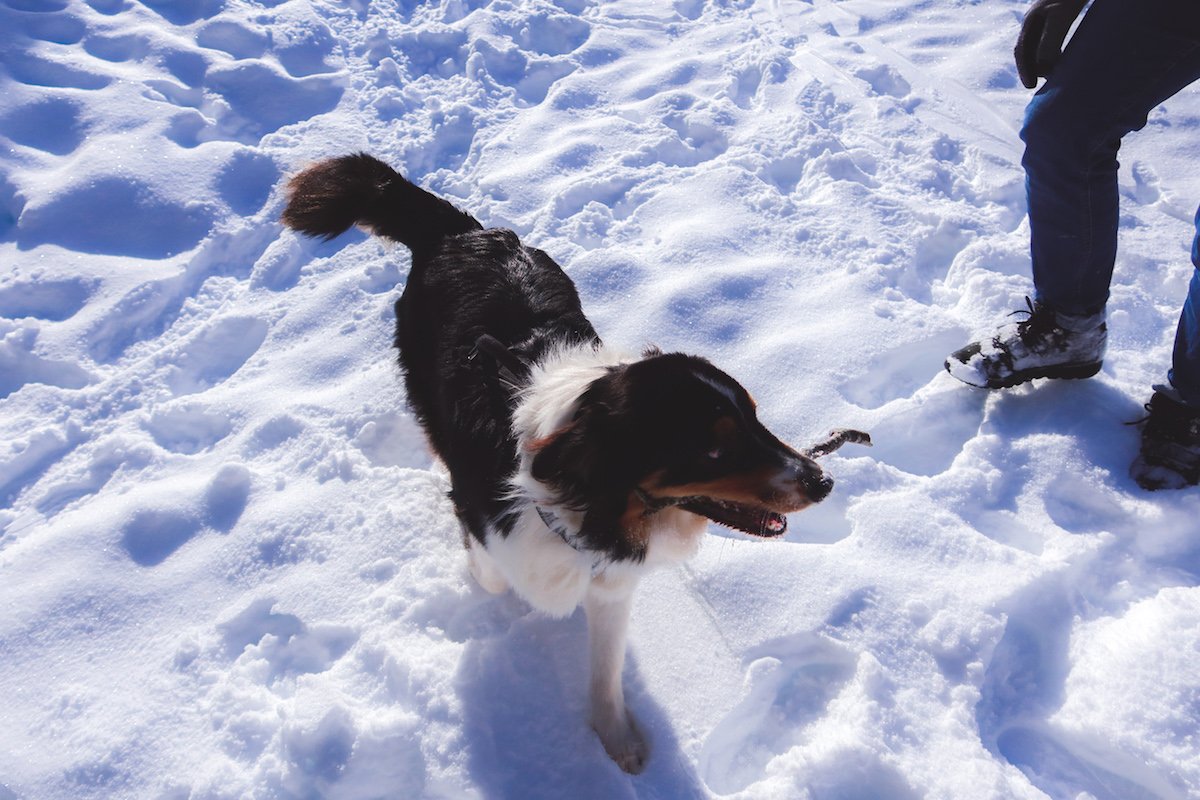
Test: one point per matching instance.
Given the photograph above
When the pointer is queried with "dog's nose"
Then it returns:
(810, 479)
(820, 488)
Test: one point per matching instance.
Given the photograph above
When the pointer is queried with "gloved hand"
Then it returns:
(1039, 44)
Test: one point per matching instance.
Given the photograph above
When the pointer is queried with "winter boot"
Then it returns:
(1170, 453)
(1044, 345)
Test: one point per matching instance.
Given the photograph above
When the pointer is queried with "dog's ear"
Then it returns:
(572, 458)
(586, 463)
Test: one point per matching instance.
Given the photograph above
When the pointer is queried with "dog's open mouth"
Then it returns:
(745, 518)
(754, 520)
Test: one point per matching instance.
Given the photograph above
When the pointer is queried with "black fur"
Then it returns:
(465, 282)
(482, 282)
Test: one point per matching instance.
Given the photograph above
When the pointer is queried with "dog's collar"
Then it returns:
(653, 505)
(551, 521)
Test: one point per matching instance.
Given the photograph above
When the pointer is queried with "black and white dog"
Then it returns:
(573, 468)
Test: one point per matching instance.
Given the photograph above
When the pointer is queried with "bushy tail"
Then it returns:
(330, 196)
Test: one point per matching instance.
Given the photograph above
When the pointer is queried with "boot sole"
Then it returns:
(1062, 371)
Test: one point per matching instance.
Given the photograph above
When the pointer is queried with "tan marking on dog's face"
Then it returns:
(760, 487)
(634, 522)
(637, 526)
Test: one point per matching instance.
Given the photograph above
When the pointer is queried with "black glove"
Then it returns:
(1039, 44)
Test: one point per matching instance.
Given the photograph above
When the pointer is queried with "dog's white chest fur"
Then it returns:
(537, 562)
(555, 578)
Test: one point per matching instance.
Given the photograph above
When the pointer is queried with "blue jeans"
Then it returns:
(1126, 57)
(1185, 361)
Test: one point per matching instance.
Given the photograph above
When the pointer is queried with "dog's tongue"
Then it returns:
(747, 519)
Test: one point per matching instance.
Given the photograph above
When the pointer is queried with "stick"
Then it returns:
(836, 439)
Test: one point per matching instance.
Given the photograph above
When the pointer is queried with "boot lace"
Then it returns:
(1037, 326)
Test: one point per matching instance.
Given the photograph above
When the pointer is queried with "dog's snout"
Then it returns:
(820, 488)
(807, 477)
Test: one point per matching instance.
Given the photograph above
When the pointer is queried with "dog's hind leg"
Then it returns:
(608, 610)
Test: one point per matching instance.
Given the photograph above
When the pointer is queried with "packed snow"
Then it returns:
(228, 566)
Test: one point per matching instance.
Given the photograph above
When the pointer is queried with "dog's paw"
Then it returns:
(624, 744)
(633, 759)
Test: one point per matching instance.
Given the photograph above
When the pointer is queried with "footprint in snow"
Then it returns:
(245, 181)
(24, 462)
(234, 38)
(184, 12)
(943, 407)
(117, 208)
(187, 429)
(102, 464)
(1051, 765)
(789, 683)
(885, 80)
(393, 440)
(19, 366)
(51, 124)
(216, 353)
(29, 67)
(152, 535)
(550, 33)
(51, 300)
(278, 268)
(900, 371)
(117, 48)
(262, 100)
(1146, 188)
(302, 43)
(324, 752)
(11, 203)
(288, 644)
(222, 86)
(453, 132)
(272, 434)
(40, 12)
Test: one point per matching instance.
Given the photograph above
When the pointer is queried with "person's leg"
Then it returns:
(1124, 59)
(1185, 361)
(1169, 455)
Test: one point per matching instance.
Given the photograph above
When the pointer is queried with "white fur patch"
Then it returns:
(540, 567)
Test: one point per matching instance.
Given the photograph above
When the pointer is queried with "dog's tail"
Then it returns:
(330, 196)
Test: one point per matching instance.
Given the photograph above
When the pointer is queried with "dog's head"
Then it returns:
(674, 431)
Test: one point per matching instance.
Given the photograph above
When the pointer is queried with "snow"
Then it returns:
(228, 567)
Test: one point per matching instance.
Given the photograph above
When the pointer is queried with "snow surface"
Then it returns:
(228, 569)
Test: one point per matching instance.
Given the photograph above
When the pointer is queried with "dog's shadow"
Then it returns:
(524, 703)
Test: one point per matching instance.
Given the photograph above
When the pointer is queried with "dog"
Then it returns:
(574, 468)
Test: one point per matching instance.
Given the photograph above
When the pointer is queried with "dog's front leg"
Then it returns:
(483, 567)
(608, 610)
